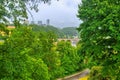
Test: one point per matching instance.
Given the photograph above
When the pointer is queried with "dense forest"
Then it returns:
(32, 52)
(67, 32)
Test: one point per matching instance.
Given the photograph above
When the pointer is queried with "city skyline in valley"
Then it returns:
(61, 13)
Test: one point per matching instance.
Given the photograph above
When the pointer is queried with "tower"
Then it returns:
(48, 22)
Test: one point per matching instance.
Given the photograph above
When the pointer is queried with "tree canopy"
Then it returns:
(100, 35)
(33, 55)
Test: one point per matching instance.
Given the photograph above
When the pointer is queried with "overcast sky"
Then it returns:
(61, 13)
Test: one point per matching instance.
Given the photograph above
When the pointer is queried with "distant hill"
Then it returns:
(67, 32)
(46, 29)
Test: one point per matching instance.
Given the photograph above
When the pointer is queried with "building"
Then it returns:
(10, 28)
(32, 22)
(47, 22)
(39, 22)
(26, 21)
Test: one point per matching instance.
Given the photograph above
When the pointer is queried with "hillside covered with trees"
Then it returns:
(67, 32)
(27, 54)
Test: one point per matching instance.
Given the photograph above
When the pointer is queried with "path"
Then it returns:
(76, 76)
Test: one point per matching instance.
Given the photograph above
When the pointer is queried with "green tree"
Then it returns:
(35, 47)
(47, 52)
(69, 57)
(99, 34)
(16, 59)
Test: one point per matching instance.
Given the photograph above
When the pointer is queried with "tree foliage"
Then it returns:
(17, 59)
(68, 56)
(27, 54)
(31, 54)
(99, 34)
(16, 10)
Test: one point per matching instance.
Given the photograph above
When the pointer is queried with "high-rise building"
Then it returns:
(39, 22)
(48, 22)
(32, 22)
